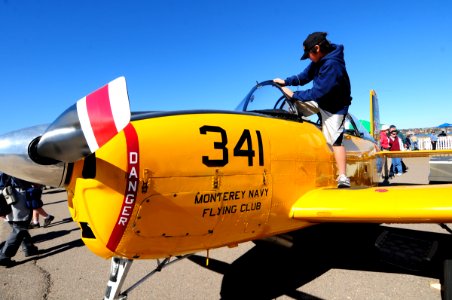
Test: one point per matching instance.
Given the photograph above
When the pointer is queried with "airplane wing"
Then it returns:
(396, 204)
(420, 153)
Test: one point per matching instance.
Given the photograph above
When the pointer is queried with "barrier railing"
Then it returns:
(444, 142)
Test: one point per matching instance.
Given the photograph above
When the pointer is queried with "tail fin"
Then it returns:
(374, 115)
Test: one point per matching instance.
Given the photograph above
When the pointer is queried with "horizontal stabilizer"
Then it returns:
(397, 204)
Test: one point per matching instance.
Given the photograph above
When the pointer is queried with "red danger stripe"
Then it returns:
(131, 188)
(100, 115)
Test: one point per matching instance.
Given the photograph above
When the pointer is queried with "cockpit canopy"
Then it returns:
(269, 99)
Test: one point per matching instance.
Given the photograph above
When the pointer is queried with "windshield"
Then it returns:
(268, 98)
(265, 95)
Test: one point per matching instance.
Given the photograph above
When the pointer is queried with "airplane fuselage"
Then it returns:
(171, 184)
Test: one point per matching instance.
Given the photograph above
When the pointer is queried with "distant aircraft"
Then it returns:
(163, 185)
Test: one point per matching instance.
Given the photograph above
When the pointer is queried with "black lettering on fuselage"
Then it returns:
(218, 211)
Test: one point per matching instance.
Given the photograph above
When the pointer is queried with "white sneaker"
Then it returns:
(343, 181)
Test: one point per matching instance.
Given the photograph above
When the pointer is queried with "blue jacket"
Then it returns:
(6, 180)
(331, 84)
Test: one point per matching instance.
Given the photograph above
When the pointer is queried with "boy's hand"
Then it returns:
(279, 81)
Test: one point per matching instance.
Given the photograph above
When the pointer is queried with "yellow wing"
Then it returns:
(420, 153)
(397, 204)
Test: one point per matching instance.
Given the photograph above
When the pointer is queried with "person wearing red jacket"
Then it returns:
(384, 139)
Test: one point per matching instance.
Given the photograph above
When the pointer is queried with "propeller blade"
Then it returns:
(87, 125)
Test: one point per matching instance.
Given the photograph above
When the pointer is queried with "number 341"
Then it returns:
(244, 147)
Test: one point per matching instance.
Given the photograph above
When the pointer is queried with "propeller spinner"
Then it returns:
(42, 154)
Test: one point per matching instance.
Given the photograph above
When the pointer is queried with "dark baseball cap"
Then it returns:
(313, 39)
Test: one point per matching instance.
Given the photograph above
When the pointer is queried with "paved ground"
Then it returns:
(329, 262)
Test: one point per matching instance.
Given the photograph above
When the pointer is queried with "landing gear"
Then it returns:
(446, 282)
(385, 172)
(118, 272)
(446, 279)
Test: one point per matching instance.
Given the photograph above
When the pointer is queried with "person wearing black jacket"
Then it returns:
(19, 220)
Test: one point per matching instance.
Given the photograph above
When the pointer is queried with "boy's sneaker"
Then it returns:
(34, 225)
(48, 220)
(343, 181)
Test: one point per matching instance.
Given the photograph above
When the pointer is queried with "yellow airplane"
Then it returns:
(164, 185)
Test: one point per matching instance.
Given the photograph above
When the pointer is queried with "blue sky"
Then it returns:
(208, 54)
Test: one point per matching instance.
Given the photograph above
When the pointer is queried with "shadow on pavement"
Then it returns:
(43, 253)
(268, 270)
(51, 235)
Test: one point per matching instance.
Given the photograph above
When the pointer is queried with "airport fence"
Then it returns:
(444, 142)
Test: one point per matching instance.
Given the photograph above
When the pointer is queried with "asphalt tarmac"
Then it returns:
(327, 262)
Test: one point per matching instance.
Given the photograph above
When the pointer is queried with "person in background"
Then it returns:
(384, 139)
(443, 133)
(330, 95)
(384, 145)
(433, 139)
(408, 142)
(395, 144)
(414, 142)
(35, 203)
(400, 135)
(18, 219)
